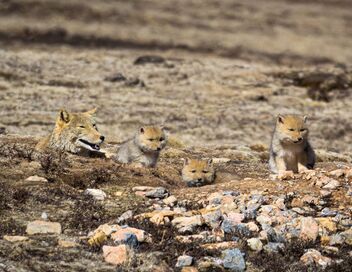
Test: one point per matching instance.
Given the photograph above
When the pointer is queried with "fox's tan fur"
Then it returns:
(73, 132)
(198, 172)
(144, 148)
(290, 149)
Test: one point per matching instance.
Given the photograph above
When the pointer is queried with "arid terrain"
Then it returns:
(215, 74)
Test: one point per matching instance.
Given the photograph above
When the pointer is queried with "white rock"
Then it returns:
(36, 179)
(96, 193)
(171, 200)
(255, 244)
(184, 260)
(43, 227)
(332, 184)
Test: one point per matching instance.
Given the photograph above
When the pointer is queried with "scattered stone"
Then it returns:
(212, 218)
(116, 255)
(171, 201)
(253, 227)
(43, 227)
(233, 260)
(107, 229)
(264, 220)
(44, 216)
(14, 239)
(309, 228)
(127, 238)
(142, 188)
(273, 247)
(221, 245)
(159, 192)
(332, 184)
(255, 244)
(125, 216)
(184, 260)
(347, 236)
(215, 198)
(67, 243)
(121, 234)
(184, 224)
(327, 223)
(209, 264)
(336, 239)
(326, 212)
(36, 179)
(337, 173)
(313, 256)
(96, 193)
(330, 249)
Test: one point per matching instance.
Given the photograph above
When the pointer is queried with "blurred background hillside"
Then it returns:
(223, 69)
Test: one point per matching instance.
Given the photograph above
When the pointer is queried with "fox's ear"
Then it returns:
(64, 116)
(280, 118)
(210, 162)
(185, 161)
(92, 112)
(305, 118)
(141, 130)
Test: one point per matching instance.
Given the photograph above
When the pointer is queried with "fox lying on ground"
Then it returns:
(144, 148)
(198, 172)
(290, 148)
(74, 132)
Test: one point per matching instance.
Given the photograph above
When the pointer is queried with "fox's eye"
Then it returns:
(82, 126)
(150, 140)
(161, 139)
(291, 129)
(205, 171)
(193, 171)
(302, 129)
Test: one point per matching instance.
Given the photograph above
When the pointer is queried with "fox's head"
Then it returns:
(151, 138)
(76, 131)
(292, 129)
(198, 172)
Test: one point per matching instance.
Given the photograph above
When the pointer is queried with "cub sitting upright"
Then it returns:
(144, 148)
(74, 132)
(290, 148)
(198, 172)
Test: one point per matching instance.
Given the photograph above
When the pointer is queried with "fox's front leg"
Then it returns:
(280, 165)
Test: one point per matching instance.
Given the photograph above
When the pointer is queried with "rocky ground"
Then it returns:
(215, 75)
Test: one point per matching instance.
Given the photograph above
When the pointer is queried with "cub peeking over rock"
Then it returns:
(144, 148)
(198, 172)
(290, 149)
(74, 132)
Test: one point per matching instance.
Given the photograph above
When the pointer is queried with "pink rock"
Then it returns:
(309, 228)
(116, 255)
(120, 234)
(235, 217)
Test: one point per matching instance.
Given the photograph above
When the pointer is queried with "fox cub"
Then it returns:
(74, 132)
(145, 147)
(290, 148)
(198, 172)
